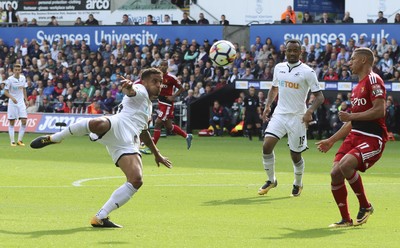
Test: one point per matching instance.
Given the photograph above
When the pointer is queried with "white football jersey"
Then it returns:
(294, 82)
(136, 110)
(15, 87)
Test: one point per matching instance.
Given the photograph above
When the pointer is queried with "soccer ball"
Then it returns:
(222, 53)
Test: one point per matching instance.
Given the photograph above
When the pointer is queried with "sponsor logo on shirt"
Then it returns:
(358, 102)
(288, 84)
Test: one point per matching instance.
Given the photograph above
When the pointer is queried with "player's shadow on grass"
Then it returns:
(312, 233)
(41, 233)
(245, 201)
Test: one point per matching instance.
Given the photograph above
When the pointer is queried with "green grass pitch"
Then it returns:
(209, 198)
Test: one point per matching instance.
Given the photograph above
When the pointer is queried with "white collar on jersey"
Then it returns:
(291, 66)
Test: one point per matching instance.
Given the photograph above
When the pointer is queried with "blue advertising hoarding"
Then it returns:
(94, 34)
(324, 33)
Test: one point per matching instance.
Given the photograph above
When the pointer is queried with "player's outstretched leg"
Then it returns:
(79, 128)
(42, 141)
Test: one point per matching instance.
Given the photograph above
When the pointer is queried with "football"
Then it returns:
(222, 53)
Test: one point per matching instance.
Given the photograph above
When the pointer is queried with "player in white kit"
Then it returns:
(121, 134)
(15, 90)
(292, 80)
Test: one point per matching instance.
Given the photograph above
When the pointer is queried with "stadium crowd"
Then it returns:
(68, 77)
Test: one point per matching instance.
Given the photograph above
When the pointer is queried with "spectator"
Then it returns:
(373, 46)
(386, 66)
(289, 12)
(167, 20)
(396, 76)
(307, 18)
(325, 19)
(287, 20)
(381, 19)
(331, 75)
(189, 98)
(53, 21)
(149, 20)
(3, 16)
(45, 106)
(79, 22)
(94, 108)
(361, 42)
(126, 20)
(397, 18)
(202, 20)
(383, 47)
(91, 21)
(347, 18)
(185, 20)
(218, 118)
(60, 106)
(33, 23)
(12, 17)
(223, 21)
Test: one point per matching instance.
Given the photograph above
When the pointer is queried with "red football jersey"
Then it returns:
(366, 91)
(167, 86)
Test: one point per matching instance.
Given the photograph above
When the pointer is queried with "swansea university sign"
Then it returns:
(94, 34)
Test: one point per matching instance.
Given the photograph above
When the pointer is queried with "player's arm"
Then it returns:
(326, 144)
(377, 111)
(7, 94)
(26, 97)
(272, 94)
(319, 99)
(180, 88)
(145, 137)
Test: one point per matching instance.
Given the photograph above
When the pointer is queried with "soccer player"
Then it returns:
(252, 113)
(15, 90)
(365, 137)
(293, 80)
(166, 108)
(121, 134)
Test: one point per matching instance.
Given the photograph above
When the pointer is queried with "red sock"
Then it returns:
(176, 129)
(156, 135)
(358, 188)
(339, 192)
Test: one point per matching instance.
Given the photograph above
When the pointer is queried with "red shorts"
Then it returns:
(165, 111)
(366, 148)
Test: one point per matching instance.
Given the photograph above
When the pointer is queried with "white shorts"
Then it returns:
(121, 139)
(292, 125)
(16, 111)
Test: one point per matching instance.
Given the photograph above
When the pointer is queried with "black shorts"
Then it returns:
(252, 119)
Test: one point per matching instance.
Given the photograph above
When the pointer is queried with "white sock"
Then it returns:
(298, 172)
(118, 198)
(11, 133)
(21, 132)
(269, 166)
(79, 128)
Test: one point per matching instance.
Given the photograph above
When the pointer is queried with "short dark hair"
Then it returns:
(293, 41)
(148, 72)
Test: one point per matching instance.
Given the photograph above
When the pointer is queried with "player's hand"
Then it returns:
(163, 160)
(126, 83)
(14, 100)
(324, 145)
(344, 116)
(307, 118)
(265, 114)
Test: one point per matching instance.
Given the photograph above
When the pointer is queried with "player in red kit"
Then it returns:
(365, 137)
(166, 107)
